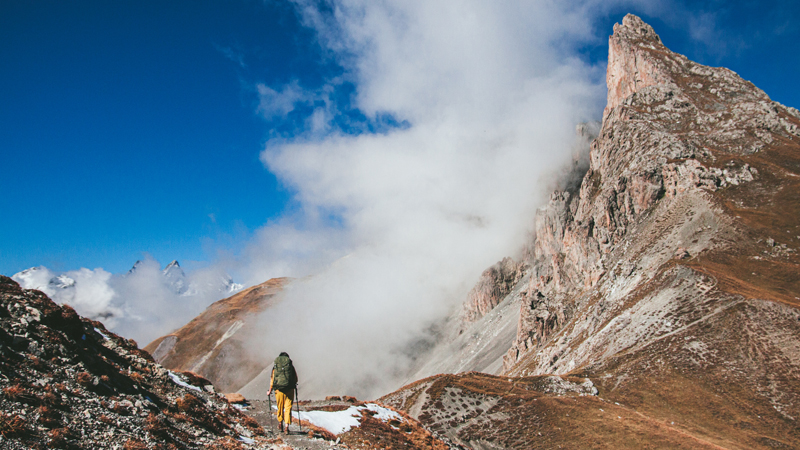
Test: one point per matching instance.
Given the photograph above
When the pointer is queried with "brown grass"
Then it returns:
(252, 425)
(189, 404)
(106, 420)
(49, 417)
(58, 438)
(51, 399)
(84, 379)
(38, 364)
(196, 379)
(134, 444)
(14, 392)
(226, 443)
(121, 410)
(137, 377)
(157, 426)
(20, 394)
(12, 426)
(197, 412)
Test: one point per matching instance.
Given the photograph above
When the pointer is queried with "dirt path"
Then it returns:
(295, 439)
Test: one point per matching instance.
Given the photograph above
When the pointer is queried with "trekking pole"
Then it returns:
(297, 407)
(269, 411)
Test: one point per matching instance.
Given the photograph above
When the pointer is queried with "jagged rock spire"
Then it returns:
(630, 64)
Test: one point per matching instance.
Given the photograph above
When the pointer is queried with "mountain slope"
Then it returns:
(482, 411)
(69, 383)
(669, 277)
(210, 344)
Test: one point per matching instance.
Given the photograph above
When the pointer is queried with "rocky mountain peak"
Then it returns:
(633, 26)
(632, 64)
(660, 278)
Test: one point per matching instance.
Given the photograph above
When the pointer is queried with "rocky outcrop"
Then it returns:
(67, 382)
(493, 286)
(659, 275)
(672, 129)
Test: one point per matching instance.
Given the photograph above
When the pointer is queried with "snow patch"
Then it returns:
(180, 382)
(338, 422)
(101, 333)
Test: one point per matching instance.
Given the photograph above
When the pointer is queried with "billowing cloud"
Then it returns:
(143, 304)
(400, 223)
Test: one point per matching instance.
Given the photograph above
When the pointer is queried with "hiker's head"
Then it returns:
(284, 354)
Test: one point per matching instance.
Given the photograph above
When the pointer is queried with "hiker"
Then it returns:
(284, 381)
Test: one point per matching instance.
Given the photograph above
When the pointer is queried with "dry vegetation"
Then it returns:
(514, 413)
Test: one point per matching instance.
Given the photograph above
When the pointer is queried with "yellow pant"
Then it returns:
(284, 400)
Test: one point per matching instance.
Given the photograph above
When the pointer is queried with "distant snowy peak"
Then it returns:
(176, 277)
(136, 266)
(211, 282)
(234, 287)
(28, 278)
(199, 283)
(220, 283)
(43, 279)
(62, 282)
(173, 269)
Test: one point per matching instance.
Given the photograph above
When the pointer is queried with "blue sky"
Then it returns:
(135, 127)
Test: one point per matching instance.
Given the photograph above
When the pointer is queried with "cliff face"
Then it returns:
(494, 285)
(684, 150)
(676, 259)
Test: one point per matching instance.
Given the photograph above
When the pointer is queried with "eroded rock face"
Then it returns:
(493, 286)
(626, 75)
(672, 128)
(640, 273)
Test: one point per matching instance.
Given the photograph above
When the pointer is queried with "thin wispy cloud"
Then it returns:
(276, 103)
(232, 54)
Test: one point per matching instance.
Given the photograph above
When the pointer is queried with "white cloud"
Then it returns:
(411, 217)
(232, 54)
(274, 103)
(142, 305)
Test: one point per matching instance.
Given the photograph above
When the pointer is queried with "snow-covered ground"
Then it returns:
(338, 422)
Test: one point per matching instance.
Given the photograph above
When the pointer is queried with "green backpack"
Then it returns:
(284, 375)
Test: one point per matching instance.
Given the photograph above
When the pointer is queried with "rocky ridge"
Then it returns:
(667, 275)
(483, 412)
(68, 382)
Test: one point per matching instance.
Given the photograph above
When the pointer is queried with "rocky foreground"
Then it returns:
(67, 382)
